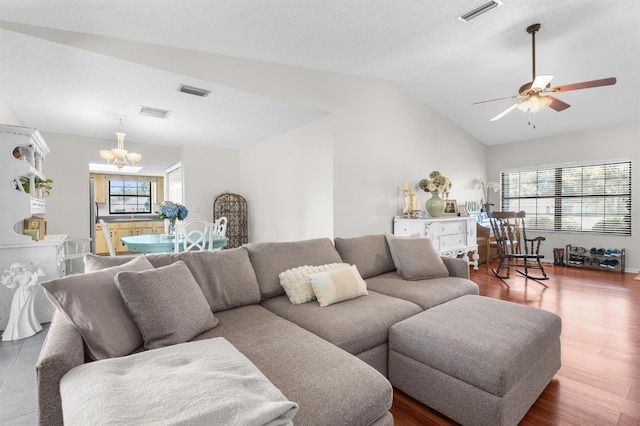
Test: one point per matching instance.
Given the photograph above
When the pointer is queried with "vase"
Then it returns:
(172, 227)
(487, 207)
(435, 205)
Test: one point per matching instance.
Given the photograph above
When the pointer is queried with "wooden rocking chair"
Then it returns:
(514, 248)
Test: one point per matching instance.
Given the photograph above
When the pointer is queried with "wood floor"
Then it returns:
(599, 381)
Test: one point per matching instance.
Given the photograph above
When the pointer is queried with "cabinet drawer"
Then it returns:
(453, 241)
(452, 228)
(406, 228)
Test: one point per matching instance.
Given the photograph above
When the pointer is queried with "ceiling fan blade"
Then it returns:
(585, 85)
(557, 104)
(505, 112)
(542, 81)
(497, 99)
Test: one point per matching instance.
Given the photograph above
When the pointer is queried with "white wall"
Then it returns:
(388, 137)
(288, 183)
(206, 173)
(597, 145)
(355, 162)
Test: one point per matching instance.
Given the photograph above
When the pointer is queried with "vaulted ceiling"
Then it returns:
(419, 44)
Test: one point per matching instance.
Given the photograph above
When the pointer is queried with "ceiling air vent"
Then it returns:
(196, 91)
(154, 112)
(484, 7)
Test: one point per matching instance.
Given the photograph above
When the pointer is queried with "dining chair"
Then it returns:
(220, 226)
(107, 237)
(220, 229)
(514, 248)
(193, 235)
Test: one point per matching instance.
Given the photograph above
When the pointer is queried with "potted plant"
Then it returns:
(45, 185)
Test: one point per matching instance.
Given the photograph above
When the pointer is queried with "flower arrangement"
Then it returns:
(435, 183)
(485, 188)
(172, 211)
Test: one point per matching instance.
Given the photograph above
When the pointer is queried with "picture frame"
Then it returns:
(450, 208)
(462, 211)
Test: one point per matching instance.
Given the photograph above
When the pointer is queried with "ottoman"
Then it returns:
(477, 360)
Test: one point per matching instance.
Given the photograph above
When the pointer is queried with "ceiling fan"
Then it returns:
(533, 96)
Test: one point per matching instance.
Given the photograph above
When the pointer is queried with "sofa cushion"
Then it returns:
(226, 277)
(338, 285)
(392, 250)
(93, 304)
(270, 259)
(304, 366)
(424, 293)
(296, 282)
(166, 304)
(370, 253)
(417, 259)
(356, 325)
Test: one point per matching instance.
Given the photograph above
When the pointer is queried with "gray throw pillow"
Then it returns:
(394, 255)
(92, 303)
(417, 259)
(167, 304)
(94, 262)
(370, 253)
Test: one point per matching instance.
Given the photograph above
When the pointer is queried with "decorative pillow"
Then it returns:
(338, 285)
(167, 304)
(394, 256)
(93, 305)
(370, 253)
(94, 262)
(417, 259)
(296, 282)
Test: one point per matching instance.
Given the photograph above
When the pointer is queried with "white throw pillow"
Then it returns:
(297, 285)
(337, 286)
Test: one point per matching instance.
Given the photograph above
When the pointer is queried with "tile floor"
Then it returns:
(17, 379)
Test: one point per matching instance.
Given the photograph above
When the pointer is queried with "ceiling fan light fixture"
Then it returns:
(484, 7)
(534, 103)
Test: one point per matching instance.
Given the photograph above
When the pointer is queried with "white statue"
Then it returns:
(22, 317)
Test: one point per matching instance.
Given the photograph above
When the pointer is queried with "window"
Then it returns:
(129, 197)
(583, 198)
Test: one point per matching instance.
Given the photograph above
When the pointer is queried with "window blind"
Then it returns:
(584, 198)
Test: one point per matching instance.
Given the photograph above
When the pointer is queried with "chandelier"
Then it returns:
(119, 156)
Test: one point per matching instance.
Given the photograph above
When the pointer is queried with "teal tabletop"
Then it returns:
(160, 243)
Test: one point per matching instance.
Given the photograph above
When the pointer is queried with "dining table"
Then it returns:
(161, 243)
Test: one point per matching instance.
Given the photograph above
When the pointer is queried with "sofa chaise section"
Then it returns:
(329, 385)
(372, 257)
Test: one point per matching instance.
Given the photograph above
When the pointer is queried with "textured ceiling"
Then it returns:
(418, 44)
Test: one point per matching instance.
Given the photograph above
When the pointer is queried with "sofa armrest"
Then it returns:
(456, 267)
(62, 350)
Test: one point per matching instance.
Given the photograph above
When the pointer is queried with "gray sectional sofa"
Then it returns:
(332, 361)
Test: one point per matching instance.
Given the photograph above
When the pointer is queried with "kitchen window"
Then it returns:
(129, 197)
(580, 198)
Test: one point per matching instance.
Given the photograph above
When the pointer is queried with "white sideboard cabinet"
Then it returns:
(451, 236)
(24, 263)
